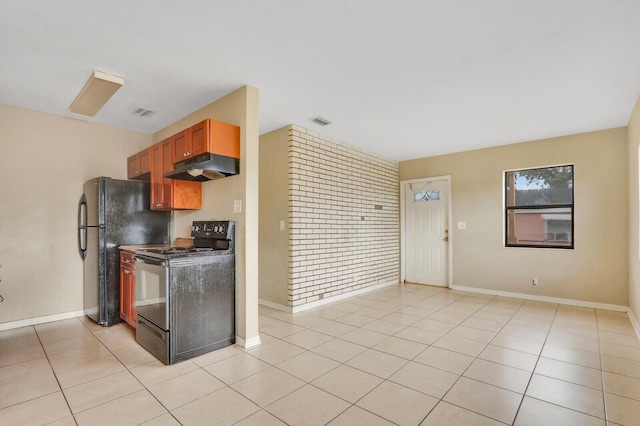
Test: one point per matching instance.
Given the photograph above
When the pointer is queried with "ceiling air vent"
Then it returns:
(321, 121)
(143, 112)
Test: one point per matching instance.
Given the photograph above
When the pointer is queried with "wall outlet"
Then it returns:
(282, 225)
(237, 206)
(534, 281)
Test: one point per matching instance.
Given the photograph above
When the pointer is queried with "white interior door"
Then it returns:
(426, 232)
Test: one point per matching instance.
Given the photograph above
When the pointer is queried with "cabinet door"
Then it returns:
(133, 315)
(132, 166)
(144, 161)
(157, 180)
(181, 146)
(167, 166)
(200, 138)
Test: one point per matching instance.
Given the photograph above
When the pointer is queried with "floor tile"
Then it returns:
(308, 406)
(87, 370)
(434, 325)
(10, 355)
(377, 363)
(185, 388)
(624, 386)
(460, 345)
(38, 411)
(308, 339)
(403, 319)
(620, 410)
(357, 416)
(339, 350)
(620, 351)
(619, 339)
(534, 412)
(568, 372)
(573, 356)
(355, 320)
(91, 394)
(385, 327)
(275, 352)
(132, 409)
(446, 414)
(426, 337)
(425, 379)
(574, 342)
(490, 401)
(267, 386)
(281, 329)
(517, 344)
(235, 368)
(471, 333)
(156, 372)
(364, 337)
(222, 407)
(333, 328)
(261, 418)
(509, 357)
(402, 348)
(445, 360)
(162, 420)
(499, 375)
(565, 394)
(308, 365)
(621, 366)
(347, 383)
(398, 404)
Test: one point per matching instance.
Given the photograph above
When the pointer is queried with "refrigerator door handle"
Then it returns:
(82, 227)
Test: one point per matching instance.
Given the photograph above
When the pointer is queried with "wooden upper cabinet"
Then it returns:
(207, 136)
(170, 194)
(139, 165)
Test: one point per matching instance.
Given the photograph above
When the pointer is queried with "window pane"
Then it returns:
(548, 227)
(539, 187)
(426, 195)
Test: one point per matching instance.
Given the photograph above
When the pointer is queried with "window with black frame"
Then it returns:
(539, 207)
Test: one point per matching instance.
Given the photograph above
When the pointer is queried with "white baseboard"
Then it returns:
(560, 300)
(248, 343)
(311, 305)
(40, 320)
(634, 322)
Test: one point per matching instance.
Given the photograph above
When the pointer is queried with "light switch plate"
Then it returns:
(237, 206)
(462, 225)
(282, 225)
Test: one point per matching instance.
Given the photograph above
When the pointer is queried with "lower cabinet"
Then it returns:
(128, 288)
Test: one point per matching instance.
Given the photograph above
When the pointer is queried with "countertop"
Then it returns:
(178, 242)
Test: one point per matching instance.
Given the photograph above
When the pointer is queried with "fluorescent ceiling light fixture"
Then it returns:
(98, 90)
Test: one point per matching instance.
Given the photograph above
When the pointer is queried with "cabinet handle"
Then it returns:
(127, 261)
(186, 154)
(126, 271)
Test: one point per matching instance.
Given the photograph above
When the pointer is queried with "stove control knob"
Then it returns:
(196, 228)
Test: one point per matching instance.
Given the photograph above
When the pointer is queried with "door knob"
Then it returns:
(445, 239)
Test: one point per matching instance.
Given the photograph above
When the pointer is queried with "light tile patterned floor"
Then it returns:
(408, 355)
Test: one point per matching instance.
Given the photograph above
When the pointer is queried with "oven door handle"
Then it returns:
(148, 261)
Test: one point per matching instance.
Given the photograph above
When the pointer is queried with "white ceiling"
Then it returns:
(404, 79)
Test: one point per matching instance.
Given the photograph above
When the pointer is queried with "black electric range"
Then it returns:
(185, 296)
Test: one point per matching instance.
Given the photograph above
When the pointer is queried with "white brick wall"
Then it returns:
(344, 226)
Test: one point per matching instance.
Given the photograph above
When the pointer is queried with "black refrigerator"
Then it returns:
(112, 213)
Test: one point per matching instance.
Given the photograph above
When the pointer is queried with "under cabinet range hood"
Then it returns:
(205, 167)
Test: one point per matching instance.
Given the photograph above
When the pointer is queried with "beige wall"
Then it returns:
(634, 216)
(274, 207)
(44, 161)
(239, 108)
(595, 271)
